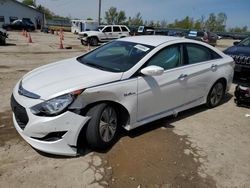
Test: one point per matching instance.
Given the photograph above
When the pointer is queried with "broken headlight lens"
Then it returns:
(53, 106)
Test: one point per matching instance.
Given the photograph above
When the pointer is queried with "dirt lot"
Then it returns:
(200, 148)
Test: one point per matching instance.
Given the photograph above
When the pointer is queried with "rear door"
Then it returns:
(200, 65)
(117, 33)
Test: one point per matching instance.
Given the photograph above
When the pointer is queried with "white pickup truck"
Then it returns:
(104, 34)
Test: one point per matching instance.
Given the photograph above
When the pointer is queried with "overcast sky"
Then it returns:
(238, 11)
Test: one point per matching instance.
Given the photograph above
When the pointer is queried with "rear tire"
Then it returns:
(216, 94)
(102, 129)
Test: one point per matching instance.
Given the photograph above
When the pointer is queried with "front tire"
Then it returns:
(102, 129)
(216, 94)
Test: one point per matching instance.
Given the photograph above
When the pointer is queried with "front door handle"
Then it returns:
(182, 77)
(214, 67)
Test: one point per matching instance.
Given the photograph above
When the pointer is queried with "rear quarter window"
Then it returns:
(197, 53)
(124, 29)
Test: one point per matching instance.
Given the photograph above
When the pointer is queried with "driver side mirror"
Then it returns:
(236, 43)
(152, 70)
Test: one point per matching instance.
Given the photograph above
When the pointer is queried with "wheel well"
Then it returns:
(94, 37)
(123, 116)
(122, 112)
(224, 81)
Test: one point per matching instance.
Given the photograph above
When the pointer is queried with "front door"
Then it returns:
(107, 33)
(158, 95)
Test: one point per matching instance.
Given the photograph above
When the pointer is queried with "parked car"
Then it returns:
(204, 36)
(104, 34)
(242, 94)
(241, 55)
(45, 29)
(20, 25)
(122, 84)
(145, 30)
(3, 36)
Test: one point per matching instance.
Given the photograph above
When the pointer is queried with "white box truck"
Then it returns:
(83, 25)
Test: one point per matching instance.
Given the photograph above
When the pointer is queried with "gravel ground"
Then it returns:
(200, 148)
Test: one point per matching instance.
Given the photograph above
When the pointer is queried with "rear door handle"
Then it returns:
(182, 77)
(214, 67)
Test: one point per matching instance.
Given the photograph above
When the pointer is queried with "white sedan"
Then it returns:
(122, 84)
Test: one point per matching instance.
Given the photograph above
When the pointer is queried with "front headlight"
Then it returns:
(54, 106)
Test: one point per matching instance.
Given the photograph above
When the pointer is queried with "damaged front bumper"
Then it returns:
(56, 135)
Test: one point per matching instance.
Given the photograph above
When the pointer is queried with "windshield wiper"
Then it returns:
(96, 66)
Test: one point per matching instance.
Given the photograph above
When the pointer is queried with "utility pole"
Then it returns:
(99, 12)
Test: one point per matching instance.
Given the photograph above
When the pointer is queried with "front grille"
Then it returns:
(20, 113)
(243, 60)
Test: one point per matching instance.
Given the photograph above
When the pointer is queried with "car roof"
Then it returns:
(151, 40)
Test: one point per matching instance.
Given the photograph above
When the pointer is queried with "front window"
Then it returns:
(99, 28)
(168, 58)
(117, 56)
(107, 29)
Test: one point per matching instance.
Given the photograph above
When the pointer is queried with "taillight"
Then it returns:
(205, 38)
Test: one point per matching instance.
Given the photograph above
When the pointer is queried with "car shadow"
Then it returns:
(165, 122)
(9, 44)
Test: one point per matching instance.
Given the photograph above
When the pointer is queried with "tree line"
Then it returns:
(113, 16)
(212, 23)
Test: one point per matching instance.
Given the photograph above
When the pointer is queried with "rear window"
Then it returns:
(200, 34)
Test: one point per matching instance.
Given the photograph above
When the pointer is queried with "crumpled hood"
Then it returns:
(238, 50)
(65, 76)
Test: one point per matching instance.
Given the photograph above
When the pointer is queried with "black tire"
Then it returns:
(93, 41)
(2, 41)
(84, 43)
(216, 94)
(97, 135)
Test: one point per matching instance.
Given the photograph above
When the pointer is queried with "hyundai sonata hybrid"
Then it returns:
(123, 84)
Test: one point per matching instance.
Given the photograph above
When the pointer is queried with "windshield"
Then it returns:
(245, 42)
(117, 56)
(99, 28)
(16, 21)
